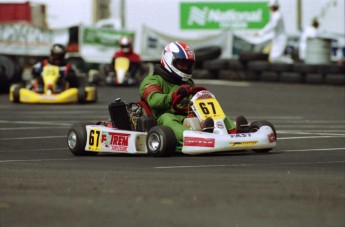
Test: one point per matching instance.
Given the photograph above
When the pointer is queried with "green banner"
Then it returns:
(223, 15)
(103, 36)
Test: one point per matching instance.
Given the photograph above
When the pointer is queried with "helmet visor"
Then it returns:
(58, 57)
(184, 65)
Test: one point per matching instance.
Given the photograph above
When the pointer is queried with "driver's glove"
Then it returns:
(181, 90)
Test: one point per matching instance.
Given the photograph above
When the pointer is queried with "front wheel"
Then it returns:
(255, 126)
(16, 94)
(76, 140)
(161, 141)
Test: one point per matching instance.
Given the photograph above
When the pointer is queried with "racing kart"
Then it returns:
(124, 73)
(132, 129)
(52, 92)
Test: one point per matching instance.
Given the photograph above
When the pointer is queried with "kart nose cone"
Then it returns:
(72, 140)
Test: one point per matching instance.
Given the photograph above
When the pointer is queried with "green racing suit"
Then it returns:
(157, 90)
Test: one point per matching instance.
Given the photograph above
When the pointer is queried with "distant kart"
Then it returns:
(124, 73)
(132, 130)
(52, 93)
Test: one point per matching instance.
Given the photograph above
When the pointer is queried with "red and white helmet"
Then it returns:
(178, 59)
(126, 44)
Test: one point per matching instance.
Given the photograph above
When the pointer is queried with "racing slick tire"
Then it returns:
(81, 95)
(255, 126)
(76, 140)
(161, 141)
(16, 94)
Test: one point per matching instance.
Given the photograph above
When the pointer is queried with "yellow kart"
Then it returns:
(125, 73)
(51, 94)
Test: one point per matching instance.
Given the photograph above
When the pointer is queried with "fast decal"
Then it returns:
(243, 144)
(95, 140)
(198, 142)
(240, 135)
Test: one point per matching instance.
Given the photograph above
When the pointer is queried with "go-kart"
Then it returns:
(124, 73)
(131, 129)
(53, 90)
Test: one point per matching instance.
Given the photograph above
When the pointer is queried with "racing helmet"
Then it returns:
(126, 44)
(179, 60)
(57, 53)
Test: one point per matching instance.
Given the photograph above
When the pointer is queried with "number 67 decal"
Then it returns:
(94, 140)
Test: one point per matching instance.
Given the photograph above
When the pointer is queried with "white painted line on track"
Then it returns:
(32, 138)
(35, 122)
(308, 137)
(36, 160)
(223, 82)
(247, 165)
(25, 150)
(311, 133)
(33, 128)
(309, 126)
(318, 149)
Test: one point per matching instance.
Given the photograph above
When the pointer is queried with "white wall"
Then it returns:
(331, 14)
(66, 13)
(63, 13)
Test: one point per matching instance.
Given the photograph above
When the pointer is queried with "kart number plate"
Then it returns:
(209, 108)
(51, 71)
(94, 140)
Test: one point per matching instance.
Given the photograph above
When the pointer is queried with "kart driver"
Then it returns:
(57, 58)
(170, 79)
(126, 51)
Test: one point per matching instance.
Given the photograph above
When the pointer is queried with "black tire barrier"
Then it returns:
(227, 74)
(207, 53)
(256, 70)
(314, 78)
(203, 74)
(258, 65)
(335, 79)
(219, 64)
(246, 57)
(270, 76)
(305, 68)
(280, 67)
(252, 75)
(291, 77)
(10, 72)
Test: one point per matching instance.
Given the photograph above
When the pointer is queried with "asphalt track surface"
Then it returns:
(300, 183)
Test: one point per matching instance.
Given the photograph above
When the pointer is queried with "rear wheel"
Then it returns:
(76, 140)
(161, 141)
(255, 126)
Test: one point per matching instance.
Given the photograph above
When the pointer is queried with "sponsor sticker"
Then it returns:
(272, 138)
(198, 142)
(240, 135)
(119, 141)
(220, 125)
(243, 144)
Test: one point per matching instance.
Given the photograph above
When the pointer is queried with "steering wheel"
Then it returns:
(177, 101)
